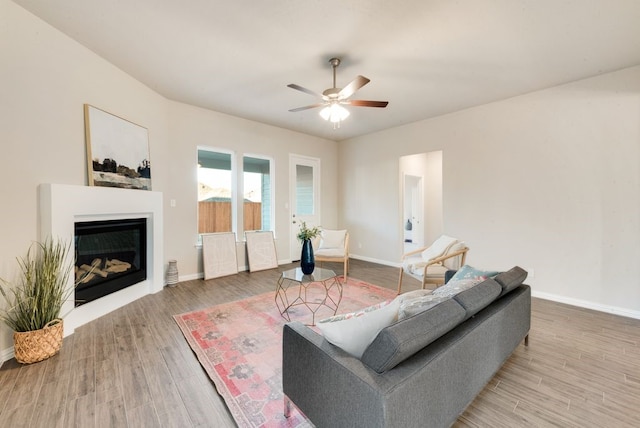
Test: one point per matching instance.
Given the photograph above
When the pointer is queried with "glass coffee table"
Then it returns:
(319, 290)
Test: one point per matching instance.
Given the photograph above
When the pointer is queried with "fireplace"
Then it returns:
(65, 205)
(110, 255)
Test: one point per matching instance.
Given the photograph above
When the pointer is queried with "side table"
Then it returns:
(320, 289)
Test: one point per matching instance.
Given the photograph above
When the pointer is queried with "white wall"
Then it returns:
(549, 181)
(191, 127)
(433, 197)
(45, 79)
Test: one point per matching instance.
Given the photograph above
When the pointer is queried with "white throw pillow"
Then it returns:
(332, 238)
(354, 331)
(438, 248)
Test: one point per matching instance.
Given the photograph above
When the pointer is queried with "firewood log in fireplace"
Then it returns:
(89, 272)
(94, 270)
(117, 266)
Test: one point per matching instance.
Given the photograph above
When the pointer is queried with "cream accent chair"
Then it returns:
(429, 264)
(332, 246)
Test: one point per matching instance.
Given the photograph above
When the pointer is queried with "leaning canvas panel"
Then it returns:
(261, 251)
(219, 254)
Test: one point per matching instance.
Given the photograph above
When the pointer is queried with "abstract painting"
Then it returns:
(117, 151)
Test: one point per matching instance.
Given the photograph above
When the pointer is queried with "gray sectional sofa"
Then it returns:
(421, 371)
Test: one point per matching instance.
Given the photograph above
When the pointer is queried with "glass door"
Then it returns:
(304, 197)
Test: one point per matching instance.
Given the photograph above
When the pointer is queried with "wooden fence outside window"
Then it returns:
(215, 216)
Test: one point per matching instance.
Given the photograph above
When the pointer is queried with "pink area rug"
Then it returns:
(240, 346)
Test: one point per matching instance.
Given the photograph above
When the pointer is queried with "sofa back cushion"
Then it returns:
(511, 279)
(404, 338)
(476, 298)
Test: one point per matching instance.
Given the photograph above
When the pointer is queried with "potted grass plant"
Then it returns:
(35, 299)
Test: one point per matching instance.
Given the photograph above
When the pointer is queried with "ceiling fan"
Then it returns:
(333, 98)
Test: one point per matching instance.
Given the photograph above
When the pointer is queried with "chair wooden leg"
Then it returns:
(346, 269)
(400, 281)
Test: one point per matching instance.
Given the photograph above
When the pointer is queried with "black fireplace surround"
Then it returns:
(110, 255)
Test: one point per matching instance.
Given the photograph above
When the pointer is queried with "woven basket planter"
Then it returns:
(37, 345)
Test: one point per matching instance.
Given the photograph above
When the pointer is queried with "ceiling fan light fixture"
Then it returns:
(332, 98)
(334, 113)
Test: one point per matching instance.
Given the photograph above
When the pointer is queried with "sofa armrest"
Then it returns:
(329, 386)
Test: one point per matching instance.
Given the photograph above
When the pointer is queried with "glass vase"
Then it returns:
(307, 262)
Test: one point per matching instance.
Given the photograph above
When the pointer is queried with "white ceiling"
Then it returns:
(426, 57)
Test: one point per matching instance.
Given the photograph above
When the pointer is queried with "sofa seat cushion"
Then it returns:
(511, 279)
(402, 339)
(476, 298)
(354, 331)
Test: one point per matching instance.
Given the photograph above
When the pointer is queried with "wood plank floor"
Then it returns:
(133, 368)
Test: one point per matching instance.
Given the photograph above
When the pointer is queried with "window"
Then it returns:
(304, 190)
(215, 193)
(219, 200)
(257, 193)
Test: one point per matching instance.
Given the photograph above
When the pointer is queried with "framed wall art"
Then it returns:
(117, 151)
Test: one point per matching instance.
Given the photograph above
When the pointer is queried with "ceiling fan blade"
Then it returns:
(364, 103)
(352, 87)
(305, 90)
(307, 107)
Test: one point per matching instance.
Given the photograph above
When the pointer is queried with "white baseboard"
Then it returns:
(6, 355)
(372, 260)
(200, 275)
(190, 277)
(587, 305)
(546, 296)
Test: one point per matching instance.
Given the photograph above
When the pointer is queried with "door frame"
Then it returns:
(414, 191)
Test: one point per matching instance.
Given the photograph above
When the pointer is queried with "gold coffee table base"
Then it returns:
(320, 289)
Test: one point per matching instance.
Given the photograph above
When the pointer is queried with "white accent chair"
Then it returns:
(332, 246)
(429, 264)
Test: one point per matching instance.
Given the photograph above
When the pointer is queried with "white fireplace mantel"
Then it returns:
(61, 206)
